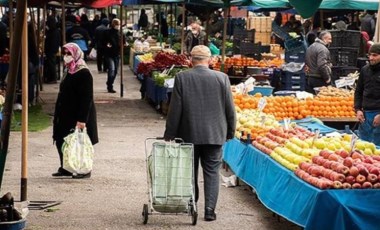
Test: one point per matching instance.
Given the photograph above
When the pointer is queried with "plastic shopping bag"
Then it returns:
(92, 54)
(78, 152)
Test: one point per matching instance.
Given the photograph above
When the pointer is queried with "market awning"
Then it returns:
(87, 3)
(306, 8)
(350, 4)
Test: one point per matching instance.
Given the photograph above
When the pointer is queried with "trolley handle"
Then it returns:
(177, 139)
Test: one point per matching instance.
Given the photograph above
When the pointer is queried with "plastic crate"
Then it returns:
(345, 38)
(295, 43)
(293, 81)
(343, 71)
(264, 90)
(296, 55)
(279, 31)
(244, 35)
(344, 56)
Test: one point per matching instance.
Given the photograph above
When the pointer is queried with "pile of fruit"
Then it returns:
(248, 62)
(330, 91)
(147, 57)
(341, 169)
(291, 107)
(162, 60)
(253, 123)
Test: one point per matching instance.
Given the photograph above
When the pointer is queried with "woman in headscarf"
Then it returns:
(75, 103)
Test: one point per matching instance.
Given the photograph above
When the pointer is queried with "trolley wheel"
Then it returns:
(145, 214)
(194, 215)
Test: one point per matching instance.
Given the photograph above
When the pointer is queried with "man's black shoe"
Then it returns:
(82, 176)
(62, 172)
(210, 214)
(111, 91)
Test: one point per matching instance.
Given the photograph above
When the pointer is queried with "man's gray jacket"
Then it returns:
(201, 109)
(318, 60)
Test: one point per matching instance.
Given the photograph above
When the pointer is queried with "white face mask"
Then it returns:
(68, 59)
(195, 32)
(117, 27)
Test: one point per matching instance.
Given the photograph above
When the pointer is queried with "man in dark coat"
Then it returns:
(52, 44)
(100, 45)
(202, 112)
(143, 20)
(75, 107)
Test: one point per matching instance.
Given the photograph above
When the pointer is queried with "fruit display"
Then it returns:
(253, 123)
(330, 91)
(341, 169)
(147, 57)
(162, 60)
(291, 107)
(247, 62)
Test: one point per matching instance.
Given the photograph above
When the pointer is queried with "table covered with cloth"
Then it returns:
(155, 93)
(281, 191)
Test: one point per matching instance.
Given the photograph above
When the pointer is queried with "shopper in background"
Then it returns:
(202, 112)
(100, 45)
(368, 24)
(52, 44)
(112, 54)
(194, 37)
(318, 62)
(75, 103)
(143, 21)
(79, 35)
(367, 98)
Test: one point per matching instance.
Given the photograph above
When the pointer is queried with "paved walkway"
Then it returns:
(114, 196)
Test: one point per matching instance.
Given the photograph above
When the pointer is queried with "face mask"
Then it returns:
(116, 27)
(194, 32)
(68, 59)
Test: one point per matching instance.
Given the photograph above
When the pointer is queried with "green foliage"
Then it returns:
(37, 119)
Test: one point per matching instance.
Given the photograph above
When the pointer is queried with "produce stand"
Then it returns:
(281, 191)
(154, 93)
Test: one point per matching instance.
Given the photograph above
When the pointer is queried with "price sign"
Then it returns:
(354, 138)
(317, 132)
(344, 82)
(262, 103)
(286, 123)
(263, 120)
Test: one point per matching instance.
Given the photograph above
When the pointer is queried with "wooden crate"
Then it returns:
(260, 24)
(263, 37)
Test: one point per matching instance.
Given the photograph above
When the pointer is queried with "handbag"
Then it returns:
(92, 54)
(78, 152)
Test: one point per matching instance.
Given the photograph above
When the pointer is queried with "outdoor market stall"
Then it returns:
(281, 191)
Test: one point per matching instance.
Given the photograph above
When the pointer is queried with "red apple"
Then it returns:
(334, 157)
(343, 169)
(357, 155)
(334, 166)
(325, 154)
(326, 173)
(372, 178)
(350, 179)
(376, 185)
(346, 185)
(304, 165)
(348, 162)
(367, 184)
(339, 177)
(354, 171)
(360, 179)
(356, 186)
(327, 164)
(338, 184)
(376, 158)
(375, 171)
(316, 159)
(342, 153)
(363, 170)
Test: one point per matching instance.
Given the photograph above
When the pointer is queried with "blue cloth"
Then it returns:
(311, 124)
(367, 131)
(155, 93)
(281, 191)
(136, 63)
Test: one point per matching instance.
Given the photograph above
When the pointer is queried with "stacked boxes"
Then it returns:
(293, 81)
(263, 28)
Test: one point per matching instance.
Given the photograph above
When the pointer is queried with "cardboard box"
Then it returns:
(263, 37)
(260, 24)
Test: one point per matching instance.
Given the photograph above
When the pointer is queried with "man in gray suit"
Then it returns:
(202, 112)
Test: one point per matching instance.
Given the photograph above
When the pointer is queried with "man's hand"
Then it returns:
(360, 116)
(376, 120)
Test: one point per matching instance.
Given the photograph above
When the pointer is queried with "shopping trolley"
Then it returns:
(170, 177)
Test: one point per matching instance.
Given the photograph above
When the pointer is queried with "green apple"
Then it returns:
(370, 145)
(368, 151)
(360, 145)
(320, 143)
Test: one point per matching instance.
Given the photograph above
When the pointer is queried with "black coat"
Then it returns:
(112, 43)
(75, 102)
